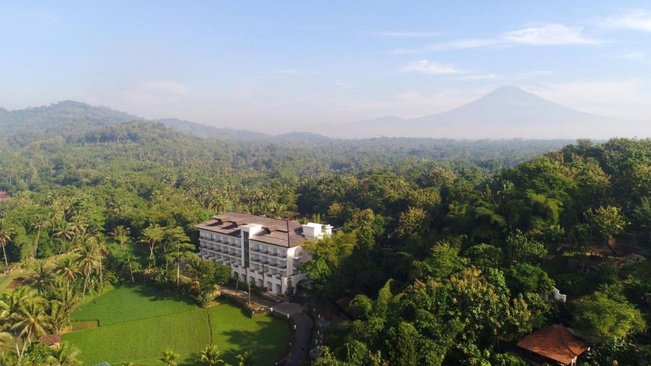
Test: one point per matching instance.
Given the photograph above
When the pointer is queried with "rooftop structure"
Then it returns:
(554, 343)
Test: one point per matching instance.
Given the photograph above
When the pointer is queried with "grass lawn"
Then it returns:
(234, 332)
(127, 303)
(137, 324)
(143, 341)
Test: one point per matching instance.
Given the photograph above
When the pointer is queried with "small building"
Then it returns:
(52, 340)
(554, 345)
(259, 249)
(555, 295)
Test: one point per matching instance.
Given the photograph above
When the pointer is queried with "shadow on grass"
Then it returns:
(154, 294)
(268, 344)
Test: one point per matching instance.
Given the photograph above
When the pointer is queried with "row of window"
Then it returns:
(255, 247)
(258, 262)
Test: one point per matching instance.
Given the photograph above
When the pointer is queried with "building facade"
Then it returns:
(259, 249)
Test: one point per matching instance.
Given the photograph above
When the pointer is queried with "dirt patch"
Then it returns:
(16, 283)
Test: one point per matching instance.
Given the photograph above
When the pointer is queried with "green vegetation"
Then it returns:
(459, 241)
(235, 332)
(127, 303)
(135, 321)
(141, 341)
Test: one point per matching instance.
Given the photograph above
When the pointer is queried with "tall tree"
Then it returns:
(152, 235)
(5, 238)
(39, 223)
(121, 234)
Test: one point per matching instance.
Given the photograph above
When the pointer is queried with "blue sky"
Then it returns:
(286, 65)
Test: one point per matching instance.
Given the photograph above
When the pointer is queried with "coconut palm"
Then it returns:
(5, 238)
(59, 314)
(169, 357)
(211, 355)
(39, 223)
(78, 228)
(64, 355)
(13, 301)
(121, 234)
(41, 277)
(89, 259)
(31, 322)
(65, 234)
(68, 269)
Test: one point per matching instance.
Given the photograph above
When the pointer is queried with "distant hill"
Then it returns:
(507, 112)
(73, 115)
(197, 129)
(75, 118)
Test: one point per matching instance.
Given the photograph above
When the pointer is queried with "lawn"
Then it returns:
(137, 324)
(127, 303)
(234, 331)
(143, 341)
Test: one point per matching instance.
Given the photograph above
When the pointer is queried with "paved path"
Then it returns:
(301, 341)
(303, 325)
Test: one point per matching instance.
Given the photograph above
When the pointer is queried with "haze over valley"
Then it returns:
(299, 68)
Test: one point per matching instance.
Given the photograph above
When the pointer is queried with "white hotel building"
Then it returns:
(260, 249)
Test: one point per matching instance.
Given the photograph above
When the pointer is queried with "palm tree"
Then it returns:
(5, 238)
(211, 355)
(78, 228)
(62, 302)
(68, 269)
(89, 259)
(121, 234)
(41, 277)
(12, 303)
(31, 321)
(169, 357)
(64, 355)
(246, 359)
(65, 234)
(39, 223)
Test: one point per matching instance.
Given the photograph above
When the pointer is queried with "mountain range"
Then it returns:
(507, 112)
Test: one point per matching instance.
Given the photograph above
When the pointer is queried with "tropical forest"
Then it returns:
(446, 252)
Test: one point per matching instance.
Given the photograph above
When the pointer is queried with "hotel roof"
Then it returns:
(280, 232)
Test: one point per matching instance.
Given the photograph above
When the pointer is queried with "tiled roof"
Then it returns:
(276, 232)
(555, 343)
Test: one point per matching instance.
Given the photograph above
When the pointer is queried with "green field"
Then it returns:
(129, 303)
(154, 323)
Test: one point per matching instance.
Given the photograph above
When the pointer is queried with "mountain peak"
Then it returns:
(506, 112)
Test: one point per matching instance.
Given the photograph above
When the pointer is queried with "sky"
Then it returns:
(279, 66)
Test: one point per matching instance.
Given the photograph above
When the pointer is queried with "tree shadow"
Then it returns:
(269, 343)
(154, 294)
